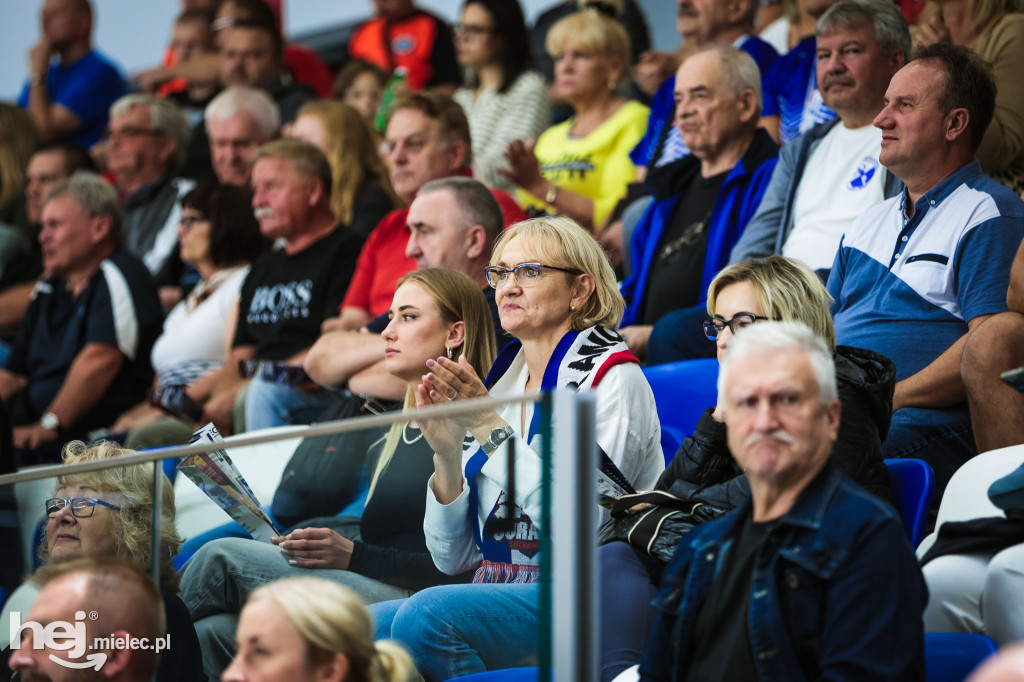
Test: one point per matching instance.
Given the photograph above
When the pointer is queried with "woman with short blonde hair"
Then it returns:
(581, 167)
(556, 295)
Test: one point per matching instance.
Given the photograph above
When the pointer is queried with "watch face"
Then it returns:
(49, 421)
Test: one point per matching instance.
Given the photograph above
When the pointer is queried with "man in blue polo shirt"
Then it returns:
(70, 96)
(917, 273)
(81, 356)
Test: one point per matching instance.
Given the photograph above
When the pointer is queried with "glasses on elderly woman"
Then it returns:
(714, 326)
(525, 274)
(81, 507)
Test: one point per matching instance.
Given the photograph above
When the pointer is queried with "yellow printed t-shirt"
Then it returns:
(596, 166)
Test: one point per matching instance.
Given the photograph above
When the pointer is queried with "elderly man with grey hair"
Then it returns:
(237, 121)
(812, 578)
(702, 202)
(81, 356)
(826, 177)
(146, 143)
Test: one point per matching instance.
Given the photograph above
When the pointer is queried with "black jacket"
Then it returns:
(703, 470)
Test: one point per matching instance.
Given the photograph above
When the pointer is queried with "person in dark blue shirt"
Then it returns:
(81, 356)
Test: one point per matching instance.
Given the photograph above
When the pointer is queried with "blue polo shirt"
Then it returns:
(87, 88)
(907, 287)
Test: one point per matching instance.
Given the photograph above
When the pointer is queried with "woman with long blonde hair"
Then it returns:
(434, 312)
(361, 192)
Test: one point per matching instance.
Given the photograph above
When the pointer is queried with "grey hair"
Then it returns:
(252, 101)
(95, 197)
(738, 70)
(164, 115)
(780, 336)
(476, 203)
(891, 30)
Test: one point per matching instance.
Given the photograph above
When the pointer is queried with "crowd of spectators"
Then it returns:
(824, 195)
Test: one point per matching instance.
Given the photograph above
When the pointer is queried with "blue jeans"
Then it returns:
(456, 630)
(219, 577)
(941, 437)
(268, 404)
(679, 335)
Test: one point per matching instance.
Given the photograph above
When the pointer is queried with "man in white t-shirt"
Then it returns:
(826, 177)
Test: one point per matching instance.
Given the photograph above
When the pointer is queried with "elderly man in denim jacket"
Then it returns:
(813, 578)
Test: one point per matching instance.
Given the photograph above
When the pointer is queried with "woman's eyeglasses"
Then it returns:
(714, 326)
(472, 30)
(81, 507)
(525, 274)
(188, 221)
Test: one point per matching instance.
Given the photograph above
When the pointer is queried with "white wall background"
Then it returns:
(134, 32)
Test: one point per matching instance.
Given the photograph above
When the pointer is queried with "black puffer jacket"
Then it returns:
(703, 470)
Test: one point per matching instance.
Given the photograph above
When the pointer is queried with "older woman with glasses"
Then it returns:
(556, 294)
(776, 288)
(581, 167)
(110, 513)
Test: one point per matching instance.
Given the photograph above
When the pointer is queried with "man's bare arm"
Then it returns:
(1015, 293)
(940, 383)
(337, 356)
(14, 302)
(90, 375)
(374, 381)
(52, 120)
(351, 319)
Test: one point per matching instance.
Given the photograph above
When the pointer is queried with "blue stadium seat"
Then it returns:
(951, 656)
(509, 675)
(913, 484)
(682, 391)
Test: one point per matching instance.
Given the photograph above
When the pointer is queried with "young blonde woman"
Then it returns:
(434, 312)
(311, 630)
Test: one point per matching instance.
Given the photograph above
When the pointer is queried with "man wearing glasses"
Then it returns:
(703, 201)
(146, 143)
(81, 356)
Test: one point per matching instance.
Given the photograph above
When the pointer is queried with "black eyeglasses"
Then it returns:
(81, 507)
(187, 221)
(472, 30)
(525, 274)
(714, 326)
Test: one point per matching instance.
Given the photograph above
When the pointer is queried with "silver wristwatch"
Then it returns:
(49, 422)
(497, 437)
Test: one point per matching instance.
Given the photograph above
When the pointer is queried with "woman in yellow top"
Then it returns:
(580, 168)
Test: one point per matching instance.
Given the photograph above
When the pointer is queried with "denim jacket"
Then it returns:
(836, 592)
